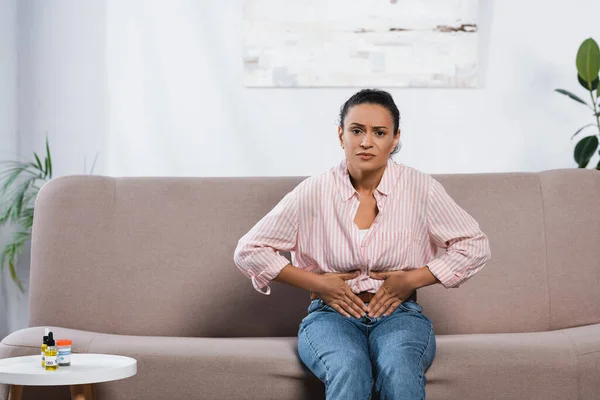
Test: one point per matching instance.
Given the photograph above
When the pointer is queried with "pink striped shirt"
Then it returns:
(315, 222)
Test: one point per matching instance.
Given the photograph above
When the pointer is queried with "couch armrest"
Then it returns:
(27, 342)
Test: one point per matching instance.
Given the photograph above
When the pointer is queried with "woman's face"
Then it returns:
(368, 136)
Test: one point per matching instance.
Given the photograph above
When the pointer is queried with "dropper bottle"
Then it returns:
(44, 345)
(51, 354)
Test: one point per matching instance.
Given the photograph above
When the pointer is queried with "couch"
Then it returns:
(143, 267)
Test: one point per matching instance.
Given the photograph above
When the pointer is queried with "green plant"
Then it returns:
(20, 182)
(588, 67)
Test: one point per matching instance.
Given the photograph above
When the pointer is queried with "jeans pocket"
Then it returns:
(411, 306)
(316, 305)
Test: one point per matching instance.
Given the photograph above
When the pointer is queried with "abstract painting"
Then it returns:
(360, 43)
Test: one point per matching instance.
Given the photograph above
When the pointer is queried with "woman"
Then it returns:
(363, 238)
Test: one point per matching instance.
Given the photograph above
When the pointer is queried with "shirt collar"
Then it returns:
(385, 187)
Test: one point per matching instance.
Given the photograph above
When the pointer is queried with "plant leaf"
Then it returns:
(39, 163)
(21, 194)
(12, 174)
(9, 256)
(49, 158)
(571, 95)
(588, 60)
(30, 168)
(39, 170)
(580, 129)
(26, 220)
(15, 278)
(3, 258)
(19, 202)
(16, 193)
(94, 164)
(12, 212)
(6, 215)
(585, 149)
(588, 85)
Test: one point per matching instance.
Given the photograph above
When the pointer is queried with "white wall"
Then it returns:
(157, 90)
(62, 80)
(177, 106)
(13, 304)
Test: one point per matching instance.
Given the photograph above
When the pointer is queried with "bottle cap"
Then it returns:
(51, 341)
(63, 342)
(45, 339)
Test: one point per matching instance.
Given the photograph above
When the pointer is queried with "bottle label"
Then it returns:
(64, 356)
(50, 361)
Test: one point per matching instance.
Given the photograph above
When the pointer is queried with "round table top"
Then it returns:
(84, 369)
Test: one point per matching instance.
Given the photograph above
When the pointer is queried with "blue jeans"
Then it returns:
(356, 358)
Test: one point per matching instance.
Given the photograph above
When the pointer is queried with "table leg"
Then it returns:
(88, 392)
(82, 392)
(16, 392)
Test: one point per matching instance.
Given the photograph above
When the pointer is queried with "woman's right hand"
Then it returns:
(335, 293)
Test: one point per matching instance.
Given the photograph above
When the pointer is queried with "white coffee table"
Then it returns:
(84, 371)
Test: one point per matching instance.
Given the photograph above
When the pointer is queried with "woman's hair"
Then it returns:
(373, 96)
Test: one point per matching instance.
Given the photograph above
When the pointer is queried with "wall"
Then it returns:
(177, 106)
(157, 90)
(62, 86)
(12, 302)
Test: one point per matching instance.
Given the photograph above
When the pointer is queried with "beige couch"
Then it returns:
(144, 267)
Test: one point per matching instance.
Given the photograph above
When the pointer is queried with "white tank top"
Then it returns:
(363, 232)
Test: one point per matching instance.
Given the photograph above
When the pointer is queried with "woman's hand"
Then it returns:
(396, 288)
(335, 293)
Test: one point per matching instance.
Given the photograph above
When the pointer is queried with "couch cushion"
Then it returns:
(511, 293)
(586, 345)
(538, 365)
(572, 231)
(154, 256)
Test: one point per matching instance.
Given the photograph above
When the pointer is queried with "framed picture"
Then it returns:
(360, 43)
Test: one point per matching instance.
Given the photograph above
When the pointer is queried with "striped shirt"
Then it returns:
(315, 222)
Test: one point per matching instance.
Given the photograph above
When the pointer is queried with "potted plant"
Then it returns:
(20, 182)
(588, 67)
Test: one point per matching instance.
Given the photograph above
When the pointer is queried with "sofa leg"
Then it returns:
(16, 392)
(82, 392)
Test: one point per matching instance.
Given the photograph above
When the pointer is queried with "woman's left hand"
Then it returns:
(396, 288)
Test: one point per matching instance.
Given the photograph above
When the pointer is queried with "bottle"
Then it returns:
(44, 345)
(51, 354)
(64, 352)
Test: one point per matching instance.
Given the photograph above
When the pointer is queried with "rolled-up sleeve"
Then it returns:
(257, 253)
(452, 228)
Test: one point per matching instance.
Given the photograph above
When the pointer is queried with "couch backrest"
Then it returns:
(154, 256)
